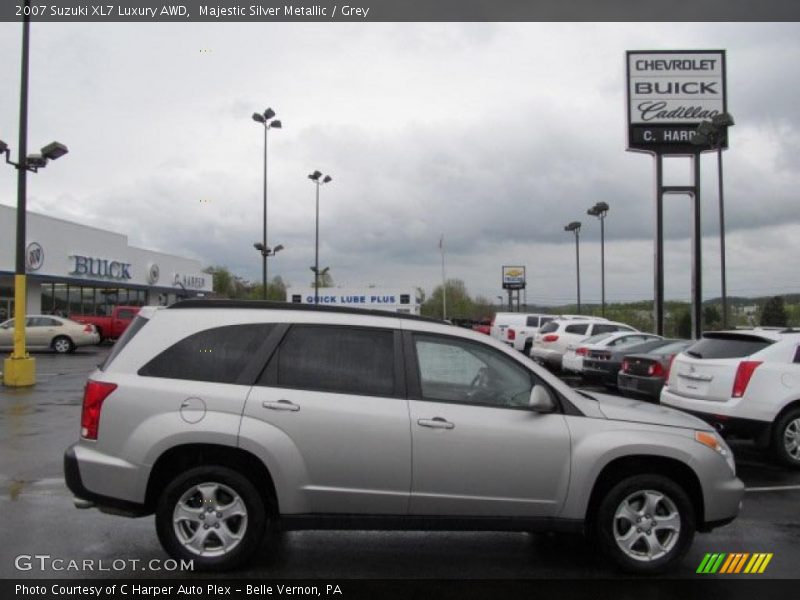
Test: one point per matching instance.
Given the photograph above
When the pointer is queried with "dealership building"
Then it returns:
(74, 268)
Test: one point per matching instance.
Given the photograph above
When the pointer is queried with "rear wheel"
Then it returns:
(212, 515)
(786, 439)
(645, 523)
(63, 345)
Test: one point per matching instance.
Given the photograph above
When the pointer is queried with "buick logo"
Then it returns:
(34, 256)
(153, 273)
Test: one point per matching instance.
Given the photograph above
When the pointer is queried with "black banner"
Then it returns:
(104, 11)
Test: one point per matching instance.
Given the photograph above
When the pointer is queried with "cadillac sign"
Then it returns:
(669, 94)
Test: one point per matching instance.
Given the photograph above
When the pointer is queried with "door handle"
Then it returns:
(436, 423)
(281, 405)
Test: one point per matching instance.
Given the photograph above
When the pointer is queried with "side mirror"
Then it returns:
(541, 400)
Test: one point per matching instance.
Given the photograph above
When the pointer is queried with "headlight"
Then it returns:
(715, 442)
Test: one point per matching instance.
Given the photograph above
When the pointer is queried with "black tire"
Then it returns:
(63, 345)
(222, 485)
(631, 493)
(787, 426)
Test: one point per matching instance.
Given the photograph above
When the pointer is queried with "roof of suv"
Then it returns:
(262, 304)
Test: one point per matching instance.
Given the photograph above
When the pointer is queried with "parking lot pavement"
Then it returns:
(36, 425)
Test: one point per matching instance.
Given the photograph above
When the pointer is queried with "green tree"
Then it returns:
(459, 303)
(684, 325)
(711, 318)
(276, 290)
(774, 313)
(226, 284)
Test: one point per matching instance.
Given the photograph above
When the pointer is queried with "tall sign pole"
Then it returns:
(670, 93)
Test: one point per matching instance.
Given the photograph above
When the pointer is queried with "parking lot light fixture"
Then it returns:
(265, 119)
(599, 210)
(575, 227)
(315, 177)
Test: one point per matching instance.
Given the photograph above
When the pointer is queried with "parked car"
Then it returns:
(517, 329)
(483, 326)
(112, 326)
(222, 416)
(574, 358)
(602, 362)
(642, 375)
(745, 383)
(48, 331)
(553, 339)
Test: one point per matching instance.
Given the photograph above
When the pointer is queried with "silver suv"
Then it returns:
(229, 419)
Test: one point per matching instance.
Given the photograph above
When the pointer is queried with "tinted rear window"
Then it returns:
(532, 322)
(581, 329)
(127, 335)
(727, 347)
(217, 355)
(549, 327)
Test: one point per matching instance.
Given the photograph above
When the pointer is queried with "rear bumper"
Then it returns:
(549, 358)
(597, 371)
(72, 477)
(713, 414)
(640, 386)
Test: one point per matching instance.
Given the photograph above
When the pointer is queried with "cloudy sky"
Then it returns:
(494, 135)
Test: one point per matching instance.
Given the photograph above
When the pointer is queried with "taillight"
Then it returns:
(94, 394)
(743, 375)
(655, 370)
(669, 368)
(625, 366)
(512, 335)
(88, 329)
(550, 337)
(582, 351)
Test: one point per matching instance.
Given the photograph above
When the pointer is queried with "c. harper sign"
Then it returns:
(669, 94)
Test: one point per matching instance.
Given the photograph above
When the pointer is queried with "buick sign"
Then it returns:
(34, 256)
(153, 273)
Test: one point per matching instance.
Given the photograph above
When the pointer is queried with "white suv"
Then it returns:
(558, 336)
(746, 384)
(517, 329)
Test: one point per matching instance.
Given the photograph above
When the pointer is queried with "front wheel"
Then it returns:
(63, 345)
(211, 515)
(645, 524)
(786, 439)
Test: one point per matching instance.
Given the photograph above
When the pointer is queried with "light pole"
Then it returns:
(19, 369)
(575, 226)
(268, 124)
(600, 210)
(714, 133)
(315, 177)
(266, 252)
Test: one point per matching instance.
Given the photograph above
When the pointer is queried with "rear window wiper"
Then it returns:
(693, 353)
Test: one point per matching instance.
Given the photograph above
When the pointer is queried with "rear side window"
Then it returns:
(532, 322)
(127, 335)
(579, 329)
(601, 328)
(549, 327)
(217, 355)
(344, 360)
(727, 347)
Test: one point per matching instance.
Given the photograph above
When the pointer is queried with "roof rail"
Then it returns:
(268, 304)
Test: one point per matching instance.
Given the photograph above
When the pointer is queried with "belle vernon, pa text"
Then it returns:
(211, 589)
(346, 10)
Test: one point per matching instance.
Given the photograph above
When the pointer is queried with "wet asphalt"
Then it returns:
(38, 423)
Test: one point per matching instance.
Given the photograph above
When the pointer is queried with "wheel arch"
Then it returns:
(180, 458)
(642, 464)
